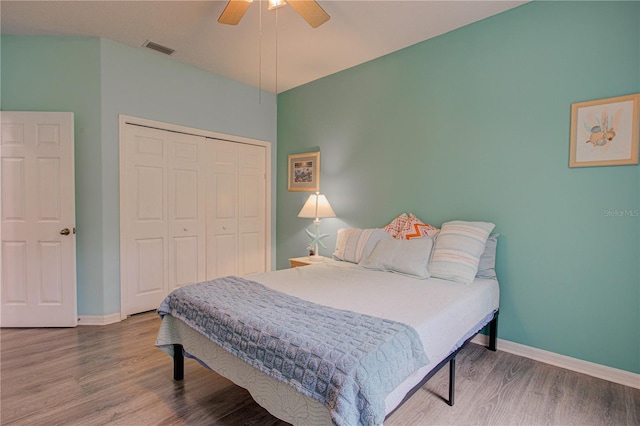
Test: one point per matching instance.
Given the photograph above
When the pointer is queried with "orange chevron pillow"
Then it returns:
(416, 228)
(397, 225)
(409, 226)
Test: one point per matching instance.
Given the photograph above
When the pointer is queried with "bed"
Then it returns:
(443, 314)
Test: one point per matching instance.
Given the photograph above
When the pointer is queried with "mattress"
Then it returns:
(444, 313)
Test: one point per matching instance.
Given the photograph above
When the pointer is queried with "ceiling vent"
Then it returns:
(158, 47)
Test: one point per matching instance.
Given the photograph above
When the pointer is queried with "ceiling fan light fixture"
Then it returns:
(310, 11)
(274, 4)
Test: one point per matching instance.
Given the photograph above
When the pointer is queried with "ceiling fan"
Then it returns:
(308, 9)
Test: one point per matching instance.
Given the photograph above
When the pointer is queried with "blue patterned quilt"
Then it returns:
(345, 360)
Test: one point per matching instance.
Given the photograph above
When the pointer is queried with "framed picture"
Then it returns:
(605, 132)
(304, 172)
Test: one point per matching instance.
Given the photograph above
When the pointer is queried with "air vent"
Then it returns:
(158, 47)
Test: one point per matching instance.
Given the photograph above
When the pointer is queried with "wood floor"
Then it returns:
(97, 375)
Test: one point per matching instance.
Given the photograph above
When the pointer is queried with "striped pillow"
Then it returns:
(354, 244)
(457, 250)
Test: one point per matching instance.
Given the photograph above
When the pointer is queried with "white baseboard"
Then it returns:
(611, 374)
(98, 319)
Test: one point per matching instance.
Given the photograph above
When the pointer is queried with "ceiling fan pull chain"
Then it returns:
(260, 54)
(276, 56)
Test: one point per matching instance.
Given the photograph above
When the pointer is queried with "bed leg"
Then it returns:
(452, 379)
(178, 362)
(493, 333)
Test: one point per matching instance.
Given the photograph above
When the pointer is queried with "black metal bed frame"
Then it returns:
(451, 359)
(178, 363)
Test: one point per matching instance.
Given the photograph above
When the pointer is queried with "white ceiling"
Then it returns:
(358, 31)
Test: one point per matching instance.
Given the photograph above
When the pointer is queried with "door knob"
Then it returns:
(65, 231)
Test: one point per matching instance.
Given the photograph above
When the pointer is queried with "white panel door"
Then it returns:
(222, 209)
(186, 197)
(251, 209)
(144, 219)
(38, 270)
(236, 209)
(192, 209)
(162, 215)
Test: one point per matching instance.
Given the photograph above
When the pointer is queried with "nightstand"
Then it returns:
(296, 262)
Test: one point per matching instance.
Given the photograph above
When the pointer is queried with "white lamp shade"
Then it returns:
(316, 206)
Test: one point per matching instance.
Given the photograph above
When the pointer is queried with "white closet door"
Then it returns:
(192, 209)
(38, 272)
(251, 210)
(186, 197)
(236, 209)
(144, 219)
(163, 216)
(222, 209)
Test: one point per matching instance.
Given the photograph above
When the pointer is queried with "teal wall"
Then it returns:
(98, 79)
(474, 125)
(63, 74)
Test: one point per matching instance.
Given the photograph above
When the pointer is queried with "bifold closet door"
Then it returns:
(222, 209)
(236, 215)
(162, 216)
(187, 205)
(251, 210)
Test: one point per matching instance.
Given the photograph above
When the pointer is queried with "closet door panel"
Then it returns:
(192, 209)
(144, 219)
(149, 254)
(186, 252)
(252, 255)
(251, 220)
(224, 262)
(222, 209)
(149, 188)
(187, 206)
(225, 211)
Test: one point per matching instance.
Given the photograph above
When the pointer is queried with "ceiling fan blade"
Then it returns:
(310, 11)
(234, 11)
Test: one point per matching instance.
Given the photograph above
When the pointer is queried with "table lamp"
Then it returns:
(316, 207)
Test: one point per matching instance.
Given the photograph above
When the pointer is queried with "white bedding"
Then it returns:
(443, 312)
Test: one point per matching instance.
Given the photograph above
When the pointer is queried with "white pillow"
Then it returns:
(354, 244)
(487, 264)
(457, 250)
(409, 257)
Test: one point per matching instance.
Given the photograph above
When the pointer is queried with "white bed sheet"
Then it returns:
(442, 312)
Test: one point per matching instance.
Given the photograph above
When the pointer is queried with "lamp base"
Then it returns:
(316, 258)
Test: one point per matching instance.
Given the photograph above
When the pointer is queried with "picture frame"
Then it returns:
(304, 172)
(605, 132)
